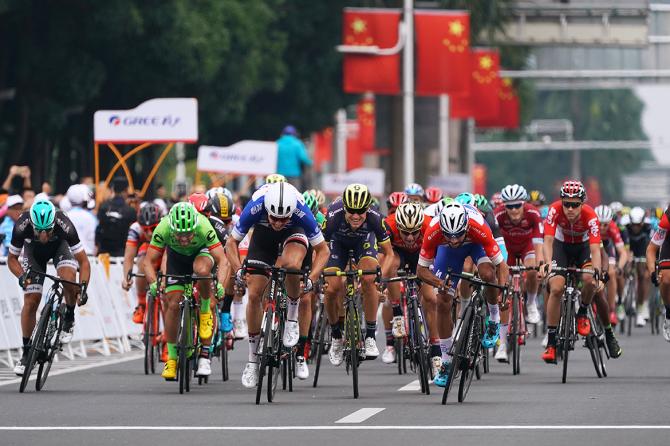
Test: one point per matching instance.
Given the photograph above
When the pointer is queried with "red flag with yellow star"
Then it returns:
(365, 111)
(442, 52)
(482, 103)
(508, 114)
(369, 73)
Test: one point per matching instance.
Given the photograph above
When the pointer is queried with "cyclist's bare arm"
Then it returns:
(321, 254)
(84, 266)
(128, 260)
(220, 258)
(150, 259)
(386, 249)
(14, 265)
(428, 277)
(651, 254)
(233, 253)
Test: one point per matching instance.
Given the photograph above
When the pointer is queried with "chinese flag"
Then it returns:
(508, 114)
(354, 153)
(366, 123)
(369, 73)
(323, 147)
(482, 103)
(443, 52)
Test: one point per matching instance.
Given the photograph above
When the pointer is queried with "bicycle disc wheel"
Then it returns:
(264, 353)
(148, 330)
(37, 344)
(320, 344)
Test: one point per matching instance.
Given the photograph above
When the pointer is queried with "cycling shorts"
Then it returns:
(452, 259)
(571, 254)
(266, 244)
(339, 251)
(408, 260)
(524, 253)
(182, 265)
(36, 255)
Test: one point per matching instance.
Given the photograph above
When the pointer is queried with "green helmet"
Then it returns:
(43, 215)
(482, 203)
(447, 200)
(311, 202)
(465, 198)
(183, 217)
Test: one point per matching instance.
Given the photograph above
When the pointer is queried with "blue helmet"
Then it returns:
(289, 130)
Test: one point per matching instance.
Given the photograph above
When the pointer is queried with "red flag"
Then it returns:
(365, 111)
(369, 73)
(323, 148)
(482, 103)
(508, 114)
(479, 179)
(354, 153)
(442, 47)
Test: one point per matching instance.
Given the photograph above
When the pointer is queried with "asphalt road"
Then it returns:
(116, 404)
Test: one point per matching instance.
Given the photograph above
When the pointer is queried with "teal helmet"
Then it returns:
(311, 202)
(42, 215)
(183, 217)
(465, 198)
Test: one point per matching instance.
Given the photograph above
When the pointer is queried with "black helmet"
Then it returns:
(222, 206)
(149, 214)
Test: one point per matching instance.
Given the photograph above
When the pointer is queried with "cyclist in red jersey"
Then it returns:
(407, 227)
(394, 200)
(519, 224)
(571, 237)
(613, 248)
(660, 242)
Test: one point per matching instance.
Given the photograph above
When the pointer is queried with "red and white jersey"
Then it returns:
(137, 235)
(398, 242)
(527, 230)
(662, 231)
(586, 228)
(613, 233)
(478, 232)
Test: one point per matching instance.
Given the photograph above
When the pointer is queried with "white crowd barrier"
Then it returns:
(103, 325)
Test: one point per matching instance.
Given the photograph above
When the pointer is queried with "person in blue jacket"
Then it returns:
(291, 156)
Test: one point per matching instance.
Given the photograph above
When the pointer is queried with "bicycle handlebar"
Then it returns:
(258, 265)
(520, 269)
(352, 273)
(477, 281)
(186, 277)
(573, 270)
(400, 278)
(55, 278)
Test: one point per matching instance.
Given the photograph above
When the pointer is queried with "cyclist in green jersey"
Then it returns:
(192, 248)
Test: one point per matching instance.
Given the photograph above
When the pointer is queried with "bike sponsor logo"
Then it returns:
(256, 209)
(593, 224)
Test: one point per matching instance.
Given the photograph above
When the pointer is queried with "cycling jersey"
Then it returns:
(137, 235)
(204, 236)
(519, 235)
(220, 227)
(254, 213)
(337, 228)
(586, 228)
(398, 242)
(662, 231)
(478, 232)
(613, 235)
(638, 241)
(63, 230)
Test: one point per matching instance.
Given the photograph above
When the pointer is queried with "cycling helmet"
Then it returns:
(183, 217)
(482, 203)
(281, 200)
(311, 201)
(409, 217)
(222, 206)
(433, 194)
(636, 215)
(536, 197)
(199, 202)
(496, 199)
(213, 191)
(573, 189)
(42, 215)
(414, 189)
(149, 214)
(396, 199)
(465, 198)
(513, 193)
(658, 212)
(453, 220)
(320, 197)
(604, 213)
(616, 206)
(356, 197)
(275, 178)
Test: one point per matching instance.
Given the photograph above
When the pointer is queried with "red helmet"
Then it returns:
(199, 202)
(573, 189)
(496, 200)
(396, 199)
(433, 194)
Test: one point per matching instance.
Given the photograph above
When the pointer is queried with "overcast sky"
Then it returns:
(656, 119)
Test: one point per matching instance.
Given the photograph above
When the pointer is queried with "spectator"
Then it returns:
(292, 156)
(115, 217)
(83, 220)
(46, 188)
(28, 197)
(14, 209)
(17, 180)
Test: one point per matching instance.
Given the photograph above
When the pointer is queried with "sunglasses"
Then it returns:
(454, 236)
(356, 211)
(408, 233)
(514, 206)
(46, 231)
(572, 204)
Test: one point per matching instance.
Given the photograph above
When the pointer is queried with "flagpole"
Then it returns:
(408, 93)
(444, 135)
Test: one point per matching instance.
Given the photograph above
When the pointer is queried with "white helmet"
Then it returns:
(513, 192)
(281, 200)
(616, 206)
(453, 220)
(409, 216)
(78, 194)
(636, 215)
(604, 213)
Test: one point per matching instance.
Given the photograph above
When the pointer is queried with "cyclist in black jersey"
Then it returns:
(352, 224)
(639, 231)
(44, 234)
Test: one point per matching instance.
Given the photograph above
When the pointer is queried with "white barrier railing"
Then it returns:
(104, 324)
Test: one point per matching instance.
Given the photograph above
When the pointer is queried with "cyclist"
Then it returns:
(394, 200)
(275, 178)
(459, 232)
(407, 228)
(537, 199)
(659, 248)
(43, 233)
(638, 229)
(520, 223)
(613, 248)
(320, 199)
(571, 237)
(351, 224)
(433, 195)
(414, 192)
(284, 228)
(434, 209)
(192, 248)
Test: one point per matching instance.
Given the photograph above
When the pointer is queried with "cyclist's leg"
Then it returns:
(293, 256)
(391, 308)
(202, 266)
(553, 304)
(367, 260)
(335, 287)
(464, 287)
(643, 281)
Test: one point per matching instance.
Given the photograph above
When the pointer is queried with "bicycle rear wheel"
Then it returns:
(320, 342)
(37, 344)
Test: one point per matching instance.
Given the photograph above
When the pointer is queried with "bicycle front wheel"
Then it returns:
(353, 337)
(51, 346)
(148, 330)
(37, 344)
(515, 333)
(459, 349)
(320, 342)
(183, 345)
(419, 348)
(567, 334)
(473, 350)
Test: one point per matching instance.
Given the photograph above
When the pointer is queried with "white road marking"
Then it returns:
(360, 415)
(411, 387)
(326, 428)
(79, 368)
